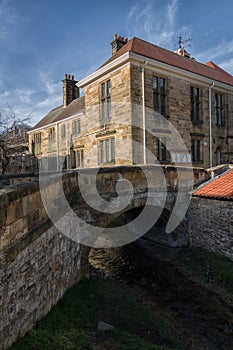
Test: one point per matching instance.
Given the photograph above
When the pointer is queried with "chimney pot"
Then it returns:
(118, 42)
(70, 90)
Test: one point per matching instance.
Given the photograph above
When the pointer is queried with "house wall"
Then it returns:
(211, 225)
(126, 101)
(119, 126)
(178, 113)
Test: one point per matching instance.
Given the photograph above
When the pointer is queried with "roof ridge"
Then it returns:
(186, 58)
(144, 48)
(213, 65)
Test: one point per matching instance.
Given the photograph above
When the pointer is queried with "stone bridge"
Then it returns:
(39, 263)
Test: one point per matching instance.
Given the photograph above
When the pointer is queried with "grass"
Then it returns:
(210, 268)
(72, 323)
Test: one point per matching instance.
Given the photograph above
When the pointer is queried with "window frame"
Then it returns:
(218, 108)
(160, 94)
(107, 150)
(37, 138)
(195, 104)
(63, 130)
(160, 149)
(52, 134)
(76, 127)
(105, 100)
(79, 158)
(196, 150)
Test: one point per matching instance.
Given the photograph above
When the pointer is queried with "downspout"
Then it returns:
(57, 146)
(144, 112)
(67, 150)
(210, 119)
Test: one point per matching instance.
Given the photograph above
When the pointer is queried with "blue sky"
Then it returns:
(42, 40)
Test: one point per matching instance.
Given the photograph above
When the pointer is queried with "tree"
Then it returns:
(13, 137)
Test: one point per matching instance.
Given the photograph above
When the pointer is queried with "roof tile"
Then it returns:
(60, 113)
(144, 48)
(220, 187)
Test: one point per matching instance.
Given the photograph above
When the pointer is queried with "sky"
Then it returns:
(42, 40)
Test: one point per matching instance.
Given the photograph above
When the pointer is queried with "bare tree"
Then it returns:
(13, 136)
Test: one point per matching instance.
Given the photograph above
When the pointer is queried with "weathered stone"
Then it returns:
(211, 225)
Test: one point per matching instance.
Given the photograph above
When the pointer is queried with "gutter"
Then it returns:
(54, 123)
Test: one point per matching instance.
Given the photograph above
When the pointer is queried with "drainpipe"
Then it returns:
(67, 159)
(57, 146)
(210, 118)
(144, 112)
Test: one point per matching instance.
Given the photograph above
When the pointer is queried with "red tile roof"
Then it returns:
(146, 49)
(220, 187)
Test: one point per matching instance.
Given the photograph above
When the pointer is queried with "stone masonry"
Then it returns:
(211, 225)
(37, 263)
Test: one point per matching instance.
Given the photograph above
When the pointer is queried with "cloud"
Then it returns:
(172, 8)
(227, 65)
(7, 18)
(221, 54)
(50, 87)
(155, 22)
(216, 51)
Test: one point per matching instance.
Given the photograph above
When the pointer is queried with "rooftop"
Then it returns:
(217, 188)
(59, 113)
(146, 49)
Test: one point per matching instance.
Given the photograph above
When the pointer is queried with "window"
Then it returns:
(195, 105)
(80, 158)
(37, 138)
(52, 134)
(52, 162)
(159, 94)
(105, 100)
(76, 127)
(161, 149)
(63, 130)
(218, 109)
(107, 151)
(196, 150)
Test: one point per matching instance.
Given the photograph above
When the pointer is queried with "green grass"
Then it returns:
(72, 323)
(210, 268)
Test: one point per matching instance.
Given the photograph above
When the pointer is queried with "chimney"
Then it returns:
(117, 43)
(70, 90)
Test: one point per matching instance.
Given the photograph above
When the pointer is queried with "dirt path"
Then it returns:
(202, 318)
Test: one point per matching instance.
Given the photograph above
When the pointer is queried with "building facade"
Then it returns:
(129, 107)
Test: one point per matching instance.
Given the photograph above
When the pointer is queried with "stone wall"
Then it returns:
(37, 263)
(211, 225)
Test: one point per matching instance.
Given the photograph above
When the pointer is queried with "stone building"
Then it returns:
(128, 104)
(14, 150)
